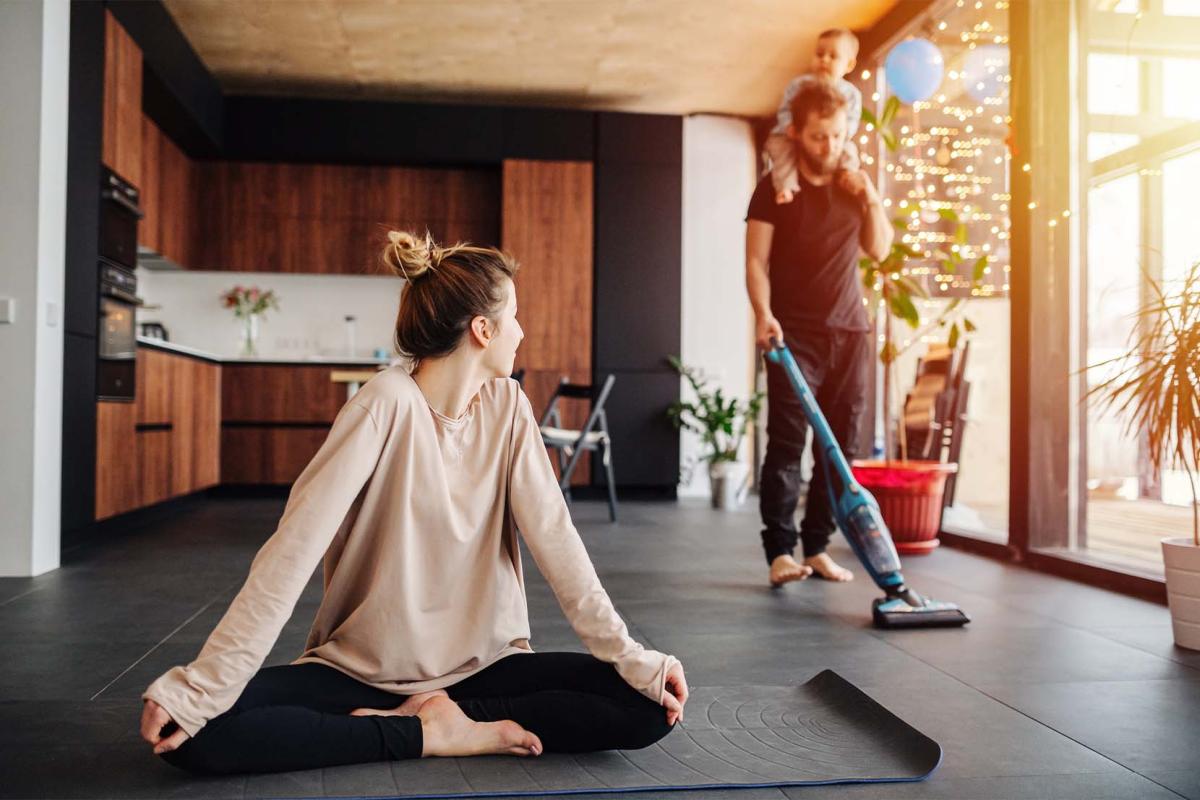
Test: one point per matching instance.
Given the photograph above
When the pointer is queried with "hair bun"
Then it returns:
(410, 257)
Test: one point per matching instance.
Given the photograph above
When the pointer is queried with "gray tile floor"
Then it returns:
(1056, 690)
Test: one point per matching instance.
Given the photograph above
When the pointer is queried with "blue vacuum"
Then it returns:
(858, 516)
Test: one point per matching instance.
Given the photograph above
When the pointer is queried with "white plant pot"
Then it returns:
(1182, 561)
(729, 480)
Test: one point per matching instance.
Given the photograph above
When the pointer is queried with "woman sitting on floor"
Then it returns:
(413, 502)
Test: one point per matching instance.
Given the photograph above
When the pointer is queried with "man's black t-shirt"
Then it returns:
(813, 267)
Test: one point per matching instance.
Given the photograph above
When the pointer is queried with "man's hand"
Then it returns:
(856, 184)
(154, 719)
(764, 329)
(676, 695)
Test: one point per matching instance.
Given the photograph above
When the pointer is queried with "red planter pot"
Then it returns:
(910, 498)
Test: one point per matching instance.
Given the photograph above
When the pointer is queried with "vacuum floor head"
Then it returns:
(914, 611)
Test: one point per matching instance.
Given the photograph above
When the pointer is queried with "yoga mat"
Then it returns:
(825, 731)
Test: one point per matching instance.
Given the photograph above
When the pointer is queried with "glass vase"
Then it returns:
(249, 335)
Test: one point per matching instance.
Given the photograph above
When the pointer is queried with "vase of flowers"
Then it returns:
(249, 303)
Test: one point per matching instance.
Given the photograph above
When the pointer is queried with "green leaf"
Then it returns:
(900, 223)
(902, 306)
(907, 250)
(979, 267)
(969, 326)
(869, 116)
(888, 353)
(960, 234)
(953, 336)
(948, 214)
(913, 286)
(889, 139)
(889, 110)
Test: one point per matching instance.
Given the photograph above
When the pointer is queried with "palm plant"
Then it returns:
(1157, 383)
(721, 422)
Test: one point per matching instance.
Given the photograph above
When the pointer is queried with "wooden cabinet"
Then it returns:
(320, 218)
(116, 459)
(196, 435)
(274, 418)
(153, 392)
(547, 221)
(121, 141)
(164, 444)
(167, 186)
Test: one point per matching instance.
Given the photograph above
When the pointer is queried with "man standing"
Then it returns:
(803, 280)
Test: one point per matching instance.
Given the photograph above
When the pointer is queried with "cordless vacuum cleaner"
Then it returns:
(859, 518)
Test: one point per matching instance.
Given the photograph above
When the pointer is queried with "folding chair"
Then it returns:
(570, 444)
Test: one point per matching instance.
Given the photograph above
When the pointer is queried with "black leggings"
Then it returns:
(297, 716)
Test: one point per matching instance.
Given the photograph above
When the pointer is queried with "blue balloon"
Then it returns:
(914, 70)
(984, 70)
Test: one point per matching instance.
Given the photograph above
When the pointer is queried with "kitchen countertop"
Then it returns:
(312, 359)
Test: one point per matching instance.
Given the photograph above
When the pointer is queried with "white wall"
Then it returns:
(717, 321)
(34, 47)
(310, 319)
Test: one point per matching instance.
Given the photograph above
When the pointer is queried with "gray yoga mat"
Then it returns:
(825, 731)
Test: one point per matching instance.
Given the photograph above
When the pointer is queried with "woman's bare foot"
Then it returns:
(784, 569)
(449, 732)
(408, 708)
(829, 569)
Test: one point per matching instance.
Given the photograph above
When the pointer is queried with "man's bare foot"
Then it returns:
(784, 569)
(408, 708)
(449, 732)
(825, 567)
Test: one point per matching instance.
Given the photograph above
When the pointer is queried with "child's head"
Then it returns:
(837, 49)
(457, 296)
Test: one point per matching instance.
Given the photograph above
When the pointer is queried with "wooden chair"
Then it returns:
(569, 444)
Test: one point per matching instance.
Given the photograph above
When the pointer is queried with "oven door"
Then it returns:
(116, 365)
(118, 229)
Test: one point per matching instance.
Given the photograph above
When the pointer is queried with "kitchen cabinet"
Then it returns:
(274, 418)
(164, 444)
(547, 219)
(116, 459)
(167, 186)
(121, 138)
(322, 218)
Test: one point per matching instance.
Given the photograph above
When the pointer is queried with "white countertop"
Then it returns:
(276, 359)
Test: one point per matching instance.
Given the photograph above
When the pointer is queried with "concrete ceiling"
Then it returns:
(664, 56)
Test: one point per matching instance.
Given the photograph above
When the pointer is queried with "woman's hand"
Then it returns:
(676, 695)
(154, 719)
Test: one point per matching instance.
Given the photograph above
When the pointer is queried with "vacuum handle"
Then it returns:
(835, 460)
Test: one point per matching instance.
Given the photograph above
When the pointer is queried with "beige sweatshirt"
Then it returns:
(416, 516)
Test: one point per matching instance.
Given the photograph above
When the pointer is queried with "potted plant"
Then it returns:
(722, 423)
(1156, 385)
(910, 491)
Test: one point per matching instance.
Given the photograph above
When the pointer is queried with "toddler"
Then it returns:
(837, 49)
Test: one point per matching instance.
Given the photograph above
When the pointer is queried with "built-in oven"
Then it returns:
(119, 215)
(116, 340)
(116, 366)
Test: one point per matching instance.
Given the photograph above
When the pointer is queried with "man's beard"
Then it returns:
(818, 166)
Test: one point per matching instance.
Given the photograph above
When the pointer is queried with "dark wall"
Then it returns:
(81, 300)
(636, 309)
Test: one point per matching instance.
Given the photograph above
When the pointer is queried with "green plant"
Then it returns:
(887, 280)
(1157, 383)
(720, 421)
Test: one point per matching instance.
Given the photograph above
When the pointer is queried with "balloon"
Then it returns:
(914, 70)
(984, 70)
